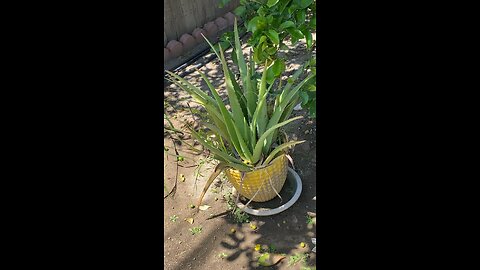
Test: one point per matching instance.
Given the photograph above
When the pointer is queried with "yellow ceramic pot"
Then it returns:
(261, 184)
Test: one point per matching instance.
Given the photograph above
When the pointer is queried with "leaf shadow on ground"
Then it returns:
(285, 231)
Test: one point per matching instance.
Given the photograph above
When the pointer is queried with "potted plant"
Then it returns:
(246, 139)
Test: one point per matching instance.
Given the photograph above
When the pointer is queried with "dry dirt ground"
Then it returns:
(223, 243)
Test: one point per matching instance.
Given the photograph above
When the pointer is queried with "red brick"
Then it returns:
(222, 23)
(166, 55)
(175, 47)
(230, 17)
(197, 35)
(188, 42)
(212, 31)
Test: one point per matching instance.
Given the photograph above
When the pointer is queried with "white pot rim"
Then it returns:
(274, 211)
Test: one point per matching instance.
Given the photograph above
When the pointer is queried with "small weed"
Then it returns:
(308, 268)
(173, 218)
(222, 255)
(230, 200)
(310, 220)
(196, 230)
(294, 259)
(239, 216)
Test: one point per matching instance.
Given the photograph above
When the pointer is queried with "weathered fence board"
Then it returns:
(182, 16)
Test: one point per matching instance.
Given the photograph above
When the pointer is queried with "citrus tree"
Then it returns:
(271, 23)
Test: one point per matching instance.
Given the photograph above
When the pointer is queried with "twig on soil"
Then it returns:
(189, 166)
(219, 215)
(174, 189)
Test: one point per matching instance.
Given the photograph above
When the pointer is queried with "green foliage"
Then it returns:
(270, 23)
(244, 134)
(173, 218)
(239, 216)
(310, 220)
(308, 93)
(299, 257)
(222, 255)
(196, 230)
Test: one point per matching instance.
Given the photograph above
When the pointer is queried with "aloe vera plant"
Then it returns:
(245, 132)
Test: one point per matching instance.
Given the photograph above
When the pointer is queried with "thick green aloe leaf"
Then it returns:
(258, 147)
(278, 149)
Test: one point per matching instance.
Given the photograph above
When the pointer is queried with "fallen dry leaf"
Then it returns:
(189, 220)
(204, 207)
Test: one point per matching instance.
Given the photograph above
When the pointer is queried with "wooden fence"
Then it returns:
(182, 16)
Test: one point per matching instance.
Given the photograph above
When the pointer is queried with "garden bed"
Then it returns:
(218, 239)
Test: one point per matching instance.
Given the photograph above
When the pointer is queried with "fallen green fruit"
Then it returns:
(268, 259)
